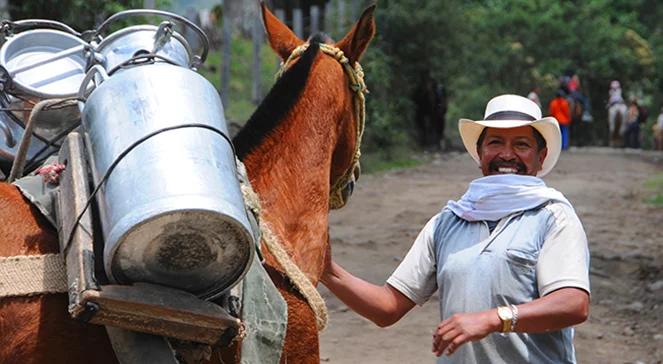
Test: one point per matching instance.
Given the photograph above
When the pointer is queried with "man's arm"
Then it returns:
(562, 308)
(384, 305)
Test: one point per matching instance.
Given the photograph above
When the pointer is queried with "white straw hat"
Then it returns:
(512, 111)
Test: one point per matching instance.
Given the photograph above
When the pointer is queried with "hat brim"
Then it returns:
(470, 130)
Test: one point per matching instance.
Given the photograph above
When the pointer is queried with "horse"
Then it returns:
(300, 147)
(616, 124)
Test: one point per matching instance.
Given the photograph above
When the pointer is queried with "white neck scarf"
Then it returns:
(494, 197)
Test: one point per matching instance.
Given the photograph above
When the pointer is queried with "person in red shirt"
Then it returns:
(559, 109)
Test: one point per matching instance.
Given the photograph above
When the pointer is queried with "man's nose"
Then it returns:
(507, 153)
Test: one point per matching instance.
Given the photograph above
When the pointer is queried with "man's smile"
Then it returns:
(504, 167)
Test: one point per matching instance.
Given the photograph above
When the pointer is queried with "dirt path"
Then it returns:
(372, 234)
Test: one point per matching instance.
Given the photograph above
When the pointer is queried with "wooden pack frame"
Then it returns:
(145, 308)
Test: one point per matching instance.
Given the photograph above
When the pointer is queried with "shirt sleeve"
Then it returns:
(415, 277)
(564, 257)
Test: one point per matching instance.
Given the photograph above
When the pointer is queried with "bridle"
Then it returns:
(338, 195)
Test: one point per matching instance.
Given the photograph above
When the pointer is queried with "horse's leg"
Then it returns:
(301, 341)
(38, 329)
(615, 124)
(302, 344)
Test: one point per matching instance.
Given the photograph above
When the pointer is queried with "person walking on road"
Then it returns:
(559, 109)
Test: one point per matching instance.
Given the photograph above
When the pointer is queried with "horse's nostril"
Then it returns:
(357, 172)
(349, 188)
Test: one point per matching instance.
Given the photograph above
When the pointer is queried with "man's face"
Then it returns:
(512, 150)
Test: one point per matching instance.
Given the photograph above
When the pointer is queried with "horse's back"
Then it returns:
(37, 329)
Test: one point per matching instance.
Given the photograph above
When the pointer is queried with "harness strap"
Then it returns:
(29, 275)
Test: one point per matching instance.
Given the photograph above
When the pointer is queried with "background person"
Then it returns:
(534, 95)
(657, 128)
(632, 129)
(559, 109)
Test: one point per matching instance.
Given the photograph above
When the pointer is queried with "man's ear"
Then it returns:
(282, 40)
(543, 153)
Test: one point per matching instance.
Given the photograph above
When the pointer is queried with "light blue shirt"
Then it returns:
(528, 255)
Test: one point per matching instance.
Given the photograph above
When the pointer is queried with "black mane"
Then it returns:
(280, 99)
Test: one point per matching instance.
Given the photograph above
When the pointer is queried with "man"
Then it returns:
(509, 259)
(534, 95)
(559, 109)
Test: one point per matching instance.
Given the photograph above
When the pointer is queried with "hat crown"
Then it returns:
(512, 104)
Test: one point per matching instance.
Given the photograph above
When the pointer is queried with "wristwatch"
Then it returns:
(505, 314)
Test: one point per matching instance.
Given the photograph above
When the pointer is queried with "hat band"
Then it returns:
(510, 115)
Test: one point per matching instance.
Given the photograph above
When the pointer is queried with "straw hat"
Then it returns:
(512, 111)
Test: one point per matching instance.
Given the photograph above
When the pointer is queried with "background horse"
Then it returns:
(616, 124)
(298, 143)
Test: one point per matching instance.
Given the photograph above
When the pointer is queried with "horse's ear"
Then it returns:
(355, 42)
(282, 40)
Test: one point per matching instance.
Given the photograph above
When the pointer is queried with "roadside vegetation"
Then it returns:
(477, 49)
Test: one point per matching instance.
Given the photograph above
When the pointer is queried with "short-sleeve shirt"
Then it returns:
(528, 255)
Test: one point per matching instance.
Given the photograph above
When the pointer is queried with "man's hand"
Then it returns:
(463, 327)
(327, 265)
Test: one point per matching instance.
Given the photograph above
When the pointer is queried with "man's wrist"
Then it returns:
(496, 322)
(506, 315)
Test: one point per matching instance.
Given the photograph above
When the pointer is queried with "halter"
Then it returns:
(356, 75)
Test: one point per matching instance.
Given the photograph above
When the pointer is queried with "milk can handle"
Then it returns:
(94, 70)
(140, 12)
(13, 27)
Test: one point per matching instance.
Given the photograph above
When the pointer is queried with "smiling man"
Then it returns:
(509, 259)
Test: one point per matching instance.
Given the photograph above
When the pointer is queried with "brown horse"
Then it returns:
(298, 144)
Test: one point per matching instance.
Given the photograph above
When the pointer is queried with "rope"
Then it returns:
(292, 271)
(356, 75)
(29, 275)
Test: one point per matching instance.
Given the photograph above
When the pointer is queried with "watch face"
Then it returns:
(504, 313)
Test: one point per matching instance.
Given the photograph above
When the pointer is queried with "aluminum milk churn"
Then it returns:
(172, 211)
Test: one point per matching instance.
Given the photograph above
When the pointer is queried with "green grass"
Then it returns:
(655, 186)
(240, 106)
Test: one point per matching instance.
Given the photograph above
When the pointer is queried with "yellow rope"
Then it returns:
(298, 278)
(356, 75)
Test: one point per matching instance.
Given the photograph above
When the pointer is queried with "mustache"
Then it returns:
(494, 165)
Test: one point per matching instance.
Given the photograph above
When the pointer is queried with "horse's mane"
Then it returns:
(278, 101)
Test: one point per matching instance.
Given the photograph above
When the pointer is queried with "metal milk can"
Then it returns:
(172, 211)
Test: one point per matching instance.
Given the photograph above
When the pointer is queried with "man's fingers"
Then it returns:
(442, 340)
(455, 343)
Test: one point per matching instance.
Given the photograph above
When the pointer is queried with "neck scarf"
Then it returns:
(493, 197)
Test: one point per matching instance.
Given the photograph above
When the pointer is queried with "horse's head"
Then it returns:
(338, 86)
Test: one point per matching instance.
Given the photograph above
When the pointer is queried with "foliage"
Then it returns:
(240, 107)
(406, 48)
(477, 48)
(484, 48)
(79, 14)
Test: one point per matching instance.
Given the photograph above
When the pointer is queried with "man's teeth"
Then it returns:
(506, 170)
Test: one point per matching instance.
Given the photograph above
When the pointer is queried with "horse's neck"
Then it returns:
(290, 173)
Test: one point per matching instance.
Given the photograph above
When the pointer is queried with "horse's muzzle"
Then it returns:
(340, 198)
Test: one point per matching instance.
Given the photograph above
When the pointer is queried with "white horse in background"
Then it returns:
(617, 123)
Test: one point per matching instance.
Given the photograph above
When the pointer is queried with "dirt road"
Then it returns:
(375, 230)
